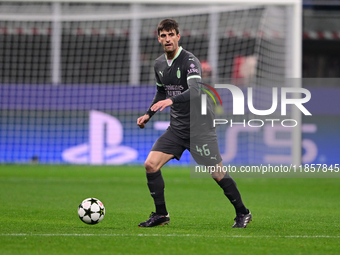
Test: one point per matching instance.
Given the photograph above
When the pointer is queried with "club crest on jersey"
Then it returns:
(178, 73)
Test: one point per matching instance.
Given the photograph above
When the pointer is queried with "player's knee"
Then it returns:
(217, 177)
(150, 167)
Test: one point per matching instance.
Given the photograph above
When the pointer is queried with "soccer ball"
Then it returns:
(91, 211)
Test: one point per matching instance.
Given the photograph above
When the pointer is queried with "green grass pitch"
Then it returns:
(39, 213)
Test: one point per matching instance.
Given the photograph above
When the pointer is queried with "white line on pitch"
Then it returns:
(169, 235)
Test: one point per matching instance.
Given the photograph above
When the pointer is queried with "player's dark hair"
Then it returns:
(168, 25)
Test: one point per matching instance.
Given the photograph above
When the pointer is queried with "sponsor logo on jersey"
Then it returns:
(173, 87)
(161, 72)
(178, 73)
(193, 70)
(173, 90)
(192, 59)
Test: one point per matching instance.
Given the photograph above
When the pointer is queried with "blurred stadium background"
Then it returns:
(75, 76)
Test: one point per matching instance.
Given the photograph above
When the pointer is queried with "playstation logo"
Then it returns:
(103, 148)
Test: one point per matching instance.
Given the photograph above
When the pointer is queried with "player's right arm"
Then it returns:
(160, 95)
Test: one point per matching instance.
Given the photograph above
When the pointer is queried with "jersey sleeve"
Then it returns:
(160, 95)
(158, 81)
(193, 68)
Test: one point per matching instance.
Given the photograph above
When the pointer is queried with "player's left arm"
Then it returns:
(193, 80)
(193, 91)
(161, 105)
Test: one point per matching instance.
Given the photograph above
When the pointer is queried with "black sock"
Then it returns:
(156, 187)
(231, 191)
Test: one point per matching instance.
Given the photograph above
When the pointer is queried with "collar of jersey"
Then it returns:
(177, 54)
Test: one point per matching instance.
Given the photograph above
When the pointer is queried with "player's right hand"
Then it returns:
(141, 121)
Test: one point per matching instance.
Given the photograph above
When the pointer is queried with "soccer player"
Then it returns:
(178, 76)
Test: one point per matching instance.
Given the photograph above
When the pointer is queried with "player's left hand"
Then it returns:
(161, 105)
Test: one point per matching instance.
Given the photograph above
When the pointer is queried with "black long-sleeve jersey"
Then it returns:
(180, 80)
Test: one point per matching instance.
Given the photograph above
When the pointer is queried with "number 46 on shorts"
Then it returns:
(204, 150)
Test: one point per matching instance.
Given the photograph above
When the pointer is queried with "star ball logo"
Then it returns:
(238, 105)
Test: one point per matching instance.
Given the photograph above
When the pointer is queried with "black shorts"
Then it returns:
(204, 148)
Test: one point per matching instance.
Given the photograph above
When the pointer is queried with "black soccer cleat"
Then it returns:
(242, 220)
(155, 220)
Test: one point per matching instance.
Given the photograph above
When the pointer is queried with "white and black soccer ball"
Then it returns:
(91, 211)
